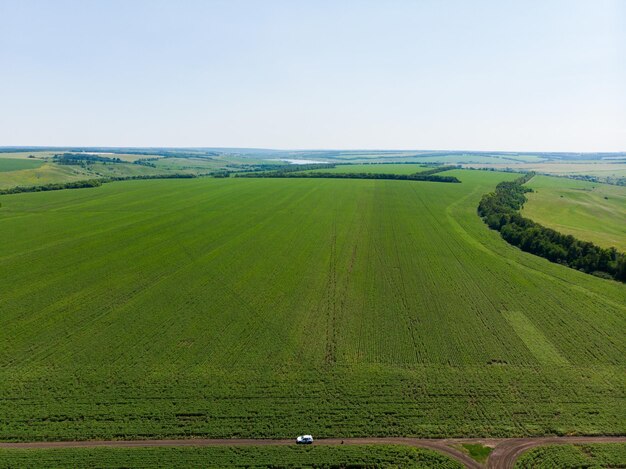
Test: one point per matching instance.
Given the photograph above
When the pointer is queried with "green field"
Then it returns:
(47, 173)
(603, 455)
(589, 211)
(250, 457)
(35, 172)
(14, 164)
(275, 307)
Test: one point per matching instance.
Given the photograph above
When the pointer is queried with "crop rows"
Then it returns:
(269, 308)
(249, 457)
(568, 456)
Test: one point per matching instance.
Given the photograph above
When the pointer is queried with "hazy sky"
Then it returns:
(478, 75)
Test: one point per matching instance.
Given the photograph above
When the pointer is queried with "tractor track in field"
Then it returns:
(505, 450)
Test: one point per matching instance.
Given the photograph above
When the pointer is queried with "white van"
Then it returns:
(304, 440)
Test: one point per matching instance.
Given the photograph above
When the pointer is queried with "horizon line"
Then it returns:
(387, 150)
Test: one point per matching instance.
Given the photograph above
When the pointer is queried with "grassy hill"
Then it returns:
(46, 173)
(590, 211)
(265, 308)
(19, 169)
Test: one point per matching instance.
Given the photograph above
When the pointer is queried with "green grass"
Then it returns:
(31, 172)
(534, 340)
(271, 308)
(589, 211)
(601, 455)
(47, 173)
(478, 452)
(14, 164)
(250, 457)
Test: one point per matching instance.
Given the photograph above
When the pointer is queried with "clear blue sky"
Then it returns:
(478, 75)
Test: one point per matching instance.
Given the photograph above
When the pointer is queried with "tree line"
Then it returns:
(404, 177)
(80, 159)
(301, 172)
(53, 187)
(500, 210)
(90, 183)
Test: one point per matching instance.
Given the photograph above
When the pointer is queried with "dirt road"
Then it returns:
(504, 455)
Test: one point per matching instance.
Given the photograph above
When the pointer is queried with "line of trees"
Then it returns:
(90, 183)
(438, 169)
(296, 168)
(80, 159)
(305, 171)
(500, 210)
(151, 176)
(53, 187)
(146, 162)
(405, 177)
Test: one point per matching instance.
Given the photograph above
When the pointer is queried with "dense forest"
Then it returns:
(500, 210)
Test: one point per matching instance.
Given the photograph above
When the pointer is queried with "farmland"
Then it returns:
(567, 456)
(14, 164)
(267, 308)
(47, 173)
(40, 168)
(249, 457)
(612, 171)
(589, 211)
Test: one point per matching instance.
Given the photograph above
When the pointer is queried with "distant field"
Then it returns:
(416, 156)
(130, 157)
(47, 173)
(14, 164)
(249, 457)
(27, 154)
(590, 211)
(196, 164)
(35, 172)
(49, 154)
(264, 307)
(123, 170)
(376, 168)
(601, 169)
(460, 158)
(602, 455)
